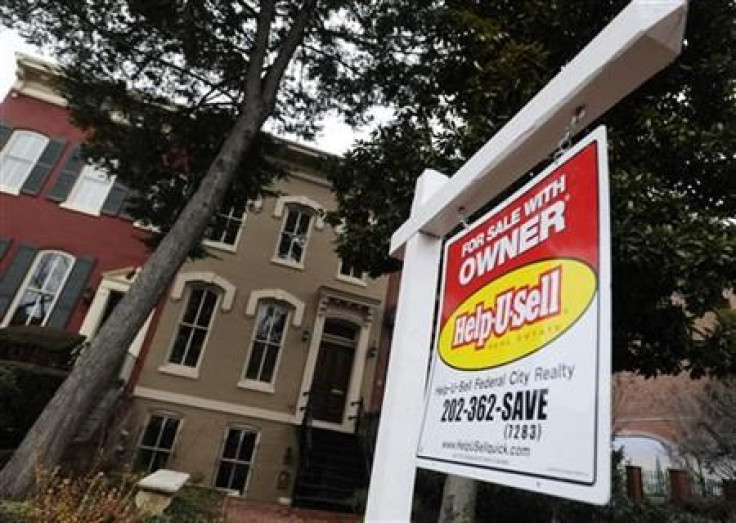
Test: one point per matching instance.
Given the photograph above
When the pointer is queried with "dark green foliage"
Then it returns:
(158, 85)
(24, 392)
(457, 71)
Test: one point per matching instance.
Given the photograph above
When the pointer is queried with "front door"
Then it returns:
(332, 373)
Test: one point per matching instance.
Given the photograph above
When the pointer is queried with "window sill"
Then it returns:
(9, 190)
(352, 281)
(72, 207)
(287, 263)
(180, 370)
(257, 386)
(220, 246)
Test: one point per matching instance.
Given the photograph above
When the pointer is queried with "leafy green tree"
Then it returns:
(456, 71)
(174, 94)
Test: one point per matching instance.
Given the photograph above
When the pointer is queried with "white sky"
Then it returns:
(336, 138)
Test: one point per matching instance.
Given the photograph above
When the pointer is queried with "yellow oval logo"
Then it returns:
(517, 314)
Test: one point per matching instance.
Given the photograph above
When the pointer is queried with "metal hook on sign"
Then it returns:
(463, 217)
(566, 141)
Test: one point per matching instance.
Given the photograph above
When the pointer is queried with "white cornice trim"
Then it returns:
(207, 404)
(277, 295)
(283, 201)
(177, 291)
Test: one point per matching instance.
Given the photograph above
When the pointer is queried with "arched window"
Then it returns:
(299, 213)
(194, 325)
(41, 288)
(266, 344)
(18, 157)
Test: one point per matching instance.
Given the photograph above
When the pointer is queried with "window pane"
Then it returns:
(26, 307)
(223, 474)
(169, 433)
(238, 481)
(303, 224)
(160, 459)
(230, 450)
(231, 232)
(180, 344)
(269, 364)
(27, 145)
(291, 221)
(195, 347)
(246, 448)
(216, 229)
(42, 271)
(13, 172)
(254, 364)
(297, 248)
(208, 306)
(153, 429)
(59, 270)
(143, 462)
(284, 246)
(91, 189)
(278, 322)
(341, 329)
(263, 323)
(195, 298)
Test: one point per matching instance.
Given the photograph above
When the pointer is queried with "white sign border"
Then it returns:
(597, 492)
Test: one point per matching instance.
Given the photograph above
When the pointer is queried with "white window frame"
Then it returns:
(115, 281)
(5, 152)
(251, 463)
(166, 415)
(229, 216)
(304, 211)
(260, 385)
(87, 172)
(179, 369)
(27, 279)
(349, 278)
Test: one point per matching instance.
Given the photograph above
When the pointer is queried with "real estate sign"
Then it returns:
(519, 392)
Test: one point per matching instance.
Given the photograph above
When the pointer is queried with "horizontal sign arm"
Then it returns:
(644, 38)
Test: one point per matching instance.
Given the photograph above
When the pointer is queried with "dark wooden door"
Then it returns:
(331, 381)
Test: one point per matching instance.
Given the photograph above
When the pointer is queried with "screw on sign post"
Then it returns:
(639, 42)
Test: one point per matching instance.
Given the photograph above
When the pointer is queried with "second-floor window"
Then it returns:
(90, 190)
(268, 337)
(18, 157)
(194, 327)
(38, 294)
(225, 227)
(294, 235)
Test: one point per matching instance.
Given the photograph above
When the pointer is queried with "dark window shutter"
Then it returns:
(13, 277)
(114, 203)
(5, 242)
(71, 292)
(67, 177)
(5, 132)
(43, 167)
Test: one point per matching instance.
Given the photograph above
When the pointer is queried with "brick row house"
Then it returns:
(259, 360)
(68, 251)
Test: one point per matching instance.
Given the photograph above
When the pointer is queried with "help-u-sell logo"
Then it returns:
(517, 314)
(525, 273)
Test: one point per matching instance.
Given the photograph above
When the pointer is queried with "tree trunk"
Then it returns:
(458, 500)
(57, 425)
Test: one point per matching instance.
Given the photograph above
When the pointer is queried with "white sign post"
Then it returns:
(639, 42)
